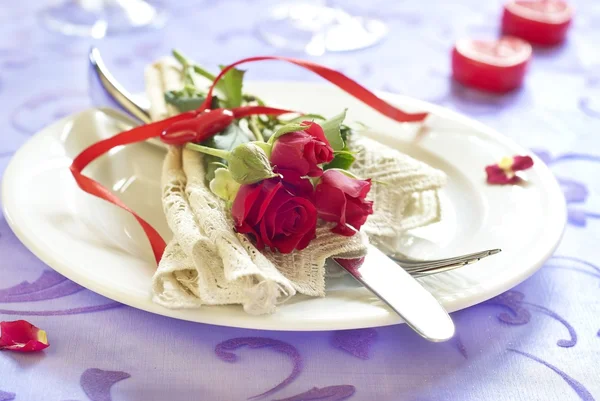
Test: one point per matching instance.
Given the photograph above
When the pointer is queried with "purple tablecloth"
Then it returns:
(539, 341)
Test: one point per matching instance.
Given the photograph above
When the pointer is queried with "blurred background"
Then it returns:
(398, 46)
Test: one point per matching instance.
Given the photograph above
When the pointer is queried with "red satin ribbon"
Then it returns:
(245, 111)
(154, 129)
(93, 187)
(335, 77)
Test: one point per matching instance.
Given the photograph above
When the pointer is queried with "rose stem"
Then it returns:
(255, 130)
(223, 154)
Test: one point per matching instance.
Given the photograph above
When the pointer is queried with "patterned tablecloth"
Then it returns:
(538, 341)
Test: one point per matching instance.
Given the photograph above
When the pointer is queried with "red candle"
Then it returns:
(495, 66)
(543, 22)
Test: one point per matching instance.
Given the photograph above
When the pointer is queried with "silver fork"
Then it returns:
(420, 268)
(114, 94)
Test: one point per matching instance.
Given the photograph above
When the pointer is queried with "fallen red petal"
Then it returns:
(495, 175)
(522, 163)
(503, 173)
(22, 336)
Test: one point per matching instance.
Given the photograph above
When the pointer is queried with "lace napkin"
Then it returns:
(208, 263)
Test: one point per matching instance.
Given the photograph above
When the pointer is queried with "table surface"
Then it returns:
(538, 341)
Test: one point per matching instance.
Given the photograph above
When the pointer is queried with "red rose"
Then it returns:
(273, 216)
(302, 151)
(341, 199)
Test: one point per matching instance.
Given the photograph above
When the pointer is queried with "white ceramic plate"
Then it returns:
(101, 247)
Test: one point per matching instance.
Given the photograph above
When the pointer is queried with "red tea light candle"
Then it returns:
(495, 66)
(542, 22)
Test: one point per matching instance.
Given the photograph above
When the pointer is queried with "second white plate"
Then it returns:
(102, 248)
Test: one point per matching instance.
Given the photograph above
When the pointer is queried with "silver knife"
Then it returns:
(380, 274)
(401, 292)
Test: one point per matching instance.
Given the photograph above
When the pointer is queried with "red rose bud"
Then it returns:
(543, 22)
(248, 163)
(199, 128)
(274, 217)
(302, 151)
(22, 336)
(504, 172)
(495, 66)
(341, 199)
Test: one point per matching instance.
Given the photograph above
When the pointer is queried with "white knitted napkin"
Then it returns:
(208, 263)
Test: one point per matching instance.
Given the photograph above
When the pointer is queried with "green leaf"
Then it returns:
(211, 164)
(339, 152)
(332, 131)
(305, 117)
(223, 185)
(180, 58)
(345, 131)
(230, 138)
(286, 129)
(202, 72)
(232, 87)
(342, 161)
(184, 100)
(188, 66)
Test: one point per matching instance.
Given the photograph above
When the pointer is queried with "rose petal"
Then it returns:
(521, 163)
(286, 244)
(246, 228)
(504, 174)
(288, 153)
(309, 236)
(270, 224)
(310, 220)
(309, 153)
(296, 184)
(324, 154)
(304, 226)
(357, 212)
(316, 131)
(289, 218)
(344, 229)
(270, 189)
(331, 203)
(22, 336)
(495, 175)
(351, 186)
(281, 209)
(244, 199)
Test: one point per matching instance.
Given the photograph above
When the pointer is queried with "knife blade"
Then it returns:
(404, 294)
